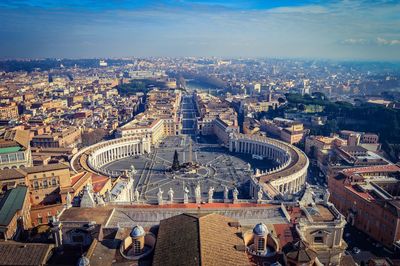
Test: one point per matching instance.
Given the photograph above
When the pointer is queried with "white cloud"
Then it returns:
(354, 41)
(383, 41)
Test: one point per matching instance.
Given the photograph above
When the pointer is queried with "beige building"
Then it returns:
(322, 227)
(287, 130)
(15, 150)
(9, 112)
(68, 137)
(45, 183)
(210, 108)
(158, 121)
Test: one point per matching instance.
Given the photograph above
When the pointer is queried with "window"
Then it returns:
(13, 157)
(45, 183)
(36, 184)
(20, 156)
(136, 246)
(318, 239)
(40, 220)
(261, 242)
(54, 182)
(4, 158)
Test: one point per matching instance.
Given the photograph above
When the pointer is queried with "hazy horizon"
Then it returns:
(335, 30)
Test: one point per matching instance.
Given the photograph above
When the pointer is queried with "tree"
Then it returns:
(281, 100)
(301, 107)
(175, 163)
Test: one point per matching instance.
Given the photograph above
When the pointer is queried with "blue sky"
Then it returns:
(351, 29)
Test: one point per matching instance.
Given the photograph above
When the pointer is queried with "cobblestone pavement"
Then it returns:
(218, 168)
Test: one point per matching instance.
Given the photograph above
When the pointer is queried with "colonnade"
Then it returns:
(114, 152)
(293, 184)
(287, 156)
(262, 149)
(105, 152)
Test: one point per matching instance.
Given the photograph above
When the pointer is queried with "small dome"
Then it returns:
(260, 229)
(137, 231)
(83, 261)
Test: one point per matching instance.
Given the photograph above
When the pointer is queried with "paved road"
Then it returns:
(188, 115)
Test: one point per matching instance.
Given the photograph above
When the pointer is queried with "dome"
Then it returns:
(137, 231)
(83, 261)
(260, 229)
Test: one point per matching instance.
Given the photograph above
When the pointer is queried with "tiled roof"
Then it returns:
(205, 239)
(372, 169)
(11, 203)
(98, 215)
(44, 168)
(13, 253)
(301, 253)
(178, 242)
(99, 182)
(218, 241)
(11, 174)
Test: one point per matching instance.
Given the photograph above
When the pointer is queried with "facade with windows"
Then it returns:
(322, 228)
(46, 181)
(15, 150)
(369, 199)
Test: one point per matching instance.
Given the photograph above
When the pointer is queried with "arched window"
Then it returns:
(261, 242)
(136, 246)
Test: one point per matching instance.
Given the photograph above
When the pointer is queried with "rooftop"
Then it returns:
(13, 253)
(204, 239)
(12, 202)
(45, 168)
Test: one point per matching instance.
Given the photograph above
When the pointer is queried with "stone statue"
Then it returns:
(259, 194)
(326, 196)
(108, 196)
(68, 201)
(210, 194)
(100, 201)
(197, 193)
(160, 196)
(185, 195)
(226, 192)
(235, 194)
(87, 200)
(89, 187)
(137, 195)
(132, 171)
(171, 195)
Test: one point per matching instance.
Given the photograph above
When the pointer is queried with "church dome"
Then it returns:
(260, 229)
(137, 231)
(83, 261)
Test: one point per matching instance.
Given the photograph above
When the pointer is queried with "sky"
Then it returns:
(348, 29)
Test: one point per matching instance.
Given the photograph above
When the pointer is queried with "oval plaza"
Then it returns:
(280, 180)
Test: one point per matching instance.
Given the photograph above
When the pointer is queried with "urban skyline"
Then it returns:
(362, 30)
(199, 132)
